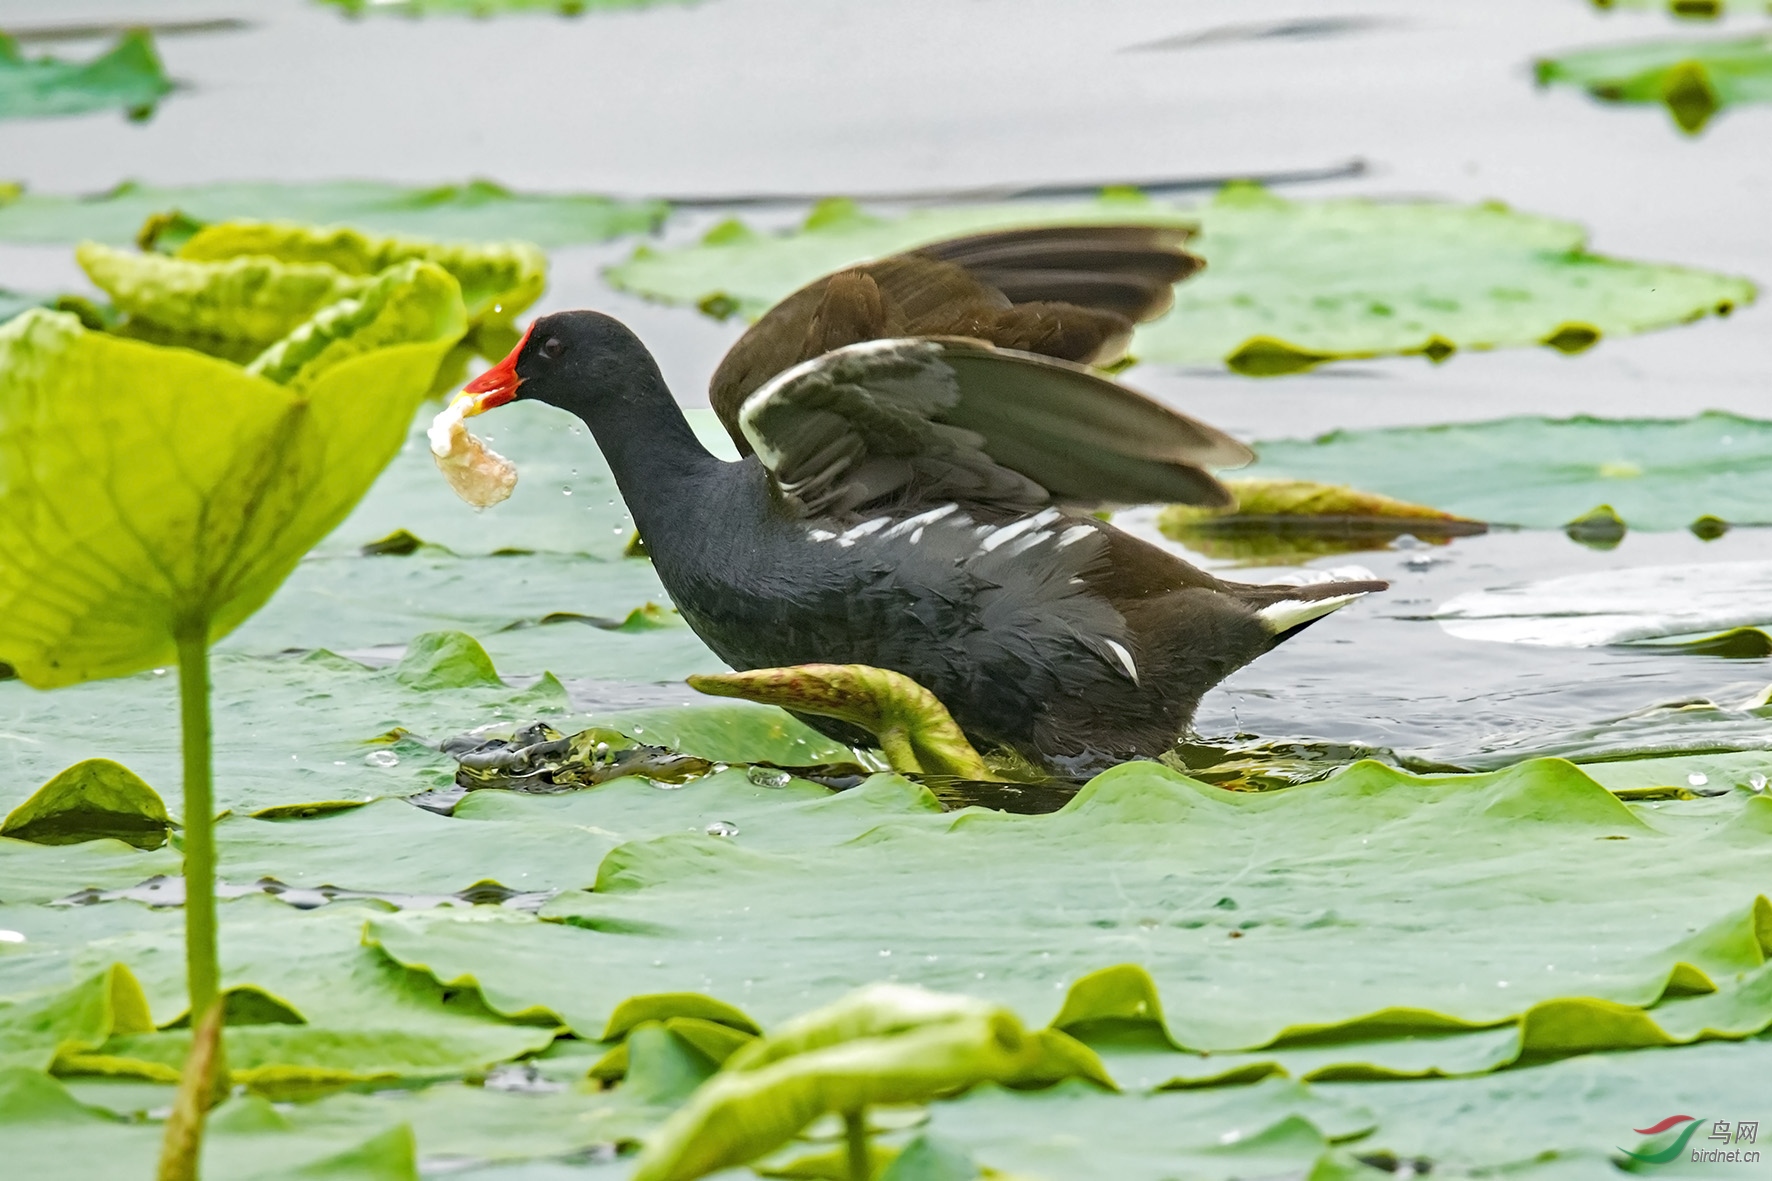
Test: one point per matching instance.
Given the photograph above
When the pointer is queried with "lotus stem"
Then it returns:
(202, 962)
(182, 1148)
(855, 1137)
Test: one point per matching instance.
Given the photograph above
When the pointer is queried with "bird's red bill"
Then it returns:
(498, 384)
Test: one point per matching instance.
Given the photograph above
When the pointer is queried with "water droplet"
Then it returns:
(382, 758)
(566, 490)
(885, 952)
(1757, 781)
(1698, 779)
(1408, 541)
(663, 786)
(1420, 562)
(498, 307)
(11, 937)
(722, 828)
(639, 729)
(159, 672)
(768, 776)
(1501, 984)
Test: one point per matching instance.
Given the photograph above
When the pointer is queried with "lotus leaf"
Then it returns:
(128, 75)
(911, 725)
(317, 1006)
(881, 1045)
(1288, 284)
(1224, 957)
(50, 1133)
(37, 1030)
(251, 299)
(92, 799)
(132, 510)
(1693, 79)
(478, 210)
(1540, 473)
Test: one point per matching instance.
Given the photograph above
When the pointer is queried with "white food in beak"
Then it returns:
(479, 475)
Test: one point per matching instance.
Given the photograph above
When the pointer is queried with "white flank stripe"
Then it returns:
(821, 535)
(1073, 534)
(1125, 659)
(1010, 532)
(916, 523)
(865, 528)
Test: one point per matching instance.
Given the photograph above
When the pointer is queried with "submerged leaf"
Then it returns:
(1289, 285)
(93, 799)
(144, 488)
(128, 75)
(913, 727)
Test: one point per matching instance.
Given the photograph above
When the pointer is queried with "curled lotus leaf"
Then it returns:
(885, 1044)
(914, 728)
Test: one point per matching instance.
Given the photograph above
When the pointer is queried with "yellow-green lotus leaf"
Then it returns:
(248, 298)
(143, 489)
(885, 1044)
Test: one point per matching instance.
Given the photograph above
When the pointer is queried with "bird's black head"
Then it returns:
(579, 361)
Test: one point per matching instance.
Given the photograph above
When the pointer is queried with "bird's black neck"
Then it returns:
(659, 465)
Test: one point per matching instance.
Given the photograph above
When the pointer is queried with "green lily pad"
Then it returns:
(1693, 79)
(1323, 874)
(1288, 284)
(538, 844)
(93, 799)
(1272, 1129)
(328, 1009)
(1658, 474)
(36, 1030)
(477, 210)
(51, 1133)
(127, 76)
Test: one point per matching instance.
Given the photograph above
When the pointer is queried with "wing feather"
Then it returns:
(903, 424)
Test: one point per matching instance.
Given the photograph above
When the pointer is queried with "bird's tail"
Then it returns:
(1285, 610)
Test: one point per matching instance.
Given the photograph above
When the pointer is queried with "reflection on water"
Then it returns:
(1382, 678)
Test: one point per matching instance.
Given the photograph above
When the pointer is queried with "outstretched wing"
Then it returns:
(896, 424)
(1073, 293)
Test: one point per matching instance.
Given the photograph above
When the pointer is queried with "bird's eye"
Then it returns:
(552, 347)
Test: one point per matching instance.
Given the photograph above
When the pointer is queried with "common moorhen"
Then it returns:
(922, 438)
